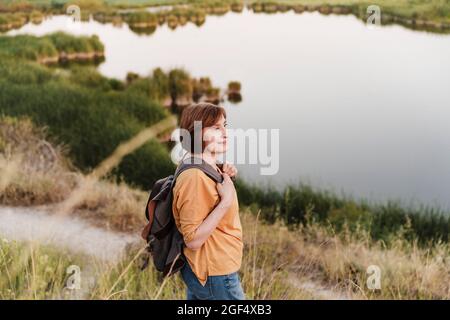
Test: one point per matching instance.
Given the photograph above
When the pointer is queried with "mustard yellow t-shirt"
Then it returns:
(194, 197)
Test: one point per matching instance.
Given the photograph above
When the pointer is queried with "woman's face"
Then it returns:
(215, 137)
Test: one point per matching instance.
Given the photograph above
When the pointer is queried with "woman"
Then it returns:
(207, 213)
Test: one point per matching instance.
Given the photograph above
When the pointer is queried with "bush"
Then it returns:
(350, 215)
(90, 78)
(33, 48)
(91, 120)
(28, 47)
(70, 44)
(145, 17)
(303, 204)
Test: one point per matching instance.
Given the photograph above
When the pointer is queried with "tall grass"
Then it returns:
(70, 44)
(314, 260)
(421, 9)
(27, 47)
(30, 271)
(36, 48)
(311, 262)
(295, 206)
(262, 276)
(298, 204)
(92, 121)
(91, 113)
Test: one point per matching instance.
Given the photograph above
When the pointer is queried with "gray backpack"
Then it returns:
(164, 241)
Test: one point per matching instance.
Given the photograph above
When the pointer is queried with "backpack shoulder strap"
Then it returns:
(204, 166)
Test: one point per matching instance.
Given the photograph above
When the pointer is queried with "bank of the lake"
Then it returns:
(432, 15)
(93, 113)
(312, 261)
(54, 48)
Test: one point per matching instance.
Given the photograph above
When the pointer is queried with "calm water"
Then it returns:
(361, 111)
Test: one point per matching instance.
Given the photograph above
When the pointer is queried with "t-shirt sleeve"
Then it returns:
(193, 196)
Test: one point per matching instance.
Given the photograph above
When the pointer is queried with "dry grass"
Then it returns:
(35, 172)
(306, 263)
(408, 271)
(24, 153)
(278, 264)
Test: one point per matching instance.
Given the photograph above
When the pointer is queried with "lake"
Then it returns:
(361, 111)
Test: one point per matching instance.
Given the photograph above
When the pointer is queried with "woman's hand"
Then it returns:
(226, 191)
(227, 195)
(230, 169)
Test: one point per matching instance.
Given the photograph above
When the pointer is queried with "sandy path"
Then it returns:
(73, 234)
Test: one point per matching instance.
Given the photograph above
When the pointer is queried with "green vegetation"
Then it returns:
(90, 113)
(142, 21)
(27, 47)
(234, 92)
(314, 260)
(301, 204)
(139, 18)
(12, 20)
(70, 44)
(234, 86)
(50, 47)
(40, 273)
(29, 271)
(175, 89)
(310, 262)
(93, 114)
(431, 15)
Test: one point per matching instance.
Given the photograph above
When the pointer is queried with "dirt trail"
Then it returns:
(73, 234)
(317, 290)
(76, 235)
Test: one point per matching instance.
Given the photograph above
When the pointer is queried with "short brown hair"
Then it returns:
(205, 112)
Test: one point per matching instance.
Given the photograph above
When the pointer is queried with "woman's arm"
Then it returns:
(193, 198)
(204, 230)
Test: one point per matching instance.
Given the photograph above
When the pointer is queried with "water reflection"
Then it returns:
(359, 110)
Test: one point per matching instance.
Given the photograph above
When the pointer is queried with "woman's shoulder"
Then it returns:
(193, 175)
(194, 182)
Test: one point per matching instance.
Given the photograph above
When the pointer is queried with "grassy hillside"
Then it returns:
(90, 113)
(93, 114)
(306, 262)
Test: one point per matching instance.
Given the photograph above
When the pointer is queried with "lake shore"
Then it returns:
(63, 57)
(430, 16)
(308, 262)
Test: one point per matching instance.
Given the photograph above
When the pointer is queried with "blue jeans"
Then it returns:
(225, 287)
